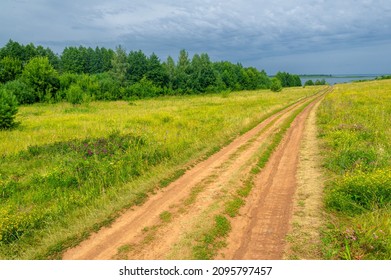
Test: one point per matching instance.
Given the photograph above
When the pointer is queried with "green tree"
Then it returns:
(156, 72)
(10, 69)
(40, 75)
(120, 65)
(183, 71)
(170, 70)
(276, 85)
(23, 93)
(309, 83)
(8, 109)
(138, 65)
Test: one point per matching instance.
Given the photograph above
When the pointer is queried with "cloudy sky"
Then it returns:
(299, 36)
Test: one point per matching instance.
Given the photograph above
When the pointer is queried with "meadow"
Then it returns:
(355, 130)
(68, 170)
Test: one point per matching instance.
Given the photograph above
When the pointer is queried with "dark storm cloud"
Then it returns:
(248, 31)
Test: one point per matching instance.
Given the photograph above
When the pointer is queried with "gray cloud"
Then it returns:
(249, 31)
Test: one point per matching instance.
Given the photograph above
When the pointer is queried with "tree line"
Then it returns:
(80, 74)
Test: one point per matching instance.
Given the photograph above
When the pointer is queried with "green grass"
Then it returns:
(67, 170)
(355, 128)
(213, 240)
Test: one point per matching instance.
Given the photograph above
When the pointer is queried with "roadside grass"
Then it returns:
(68, 170)
(355, 129)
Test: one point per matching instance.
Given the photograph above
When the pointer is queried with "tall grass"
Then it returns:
(355, 125)
(67, 170)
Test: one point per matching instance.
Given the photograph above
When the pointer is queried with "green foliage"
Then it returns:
(86, 60)
(359, 192)
(42, 78)
(209, 243)
(138, 66)
(75, 95)
(142, 89)
(8, 109)
(288, 80)
(10, 69)
(275, 85)
(120, 65)
(23, 93)
(309, 83)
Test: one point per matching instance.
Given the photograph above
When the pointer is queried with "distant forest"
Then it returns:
(81, 74)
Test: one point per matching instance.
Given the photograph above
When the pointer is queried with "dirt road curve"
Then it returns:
(258, 233)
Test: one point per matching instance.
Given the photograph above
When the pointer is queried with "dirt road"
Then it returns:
(168, 224)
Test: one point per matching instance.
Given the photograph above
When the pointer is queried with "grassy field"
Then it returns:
(355, 125)
(68, 170)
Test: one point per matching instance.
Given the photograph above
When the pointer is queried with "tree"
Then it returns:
(120, 65)
(10, 69)
(170, 70)
(276, 85)
(138, 65)
(40, 75)
(309, 83)
(183, 71)
(156, 72)
(8, 109)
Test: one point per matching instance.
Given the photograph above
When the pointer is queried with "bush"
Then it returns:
(75, 94)
(142, 89)
(23, 93)
(40, 75)
(8, 109)
(276, 85)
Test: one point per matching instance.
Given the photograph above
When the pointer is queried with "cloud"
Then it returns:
(236, 30)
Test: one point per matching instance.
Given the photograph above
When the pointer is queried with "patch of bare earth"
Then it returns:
(260, 230)
(154, 229)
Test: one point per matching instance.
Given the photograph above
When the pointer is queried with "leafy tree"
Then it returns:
(120, 65)
(138, 66)
(40, 75)
(72, 61)
(276, 85)
(13, 49)
(309, 83)
(202, 75)
(170, 71)
(155, 71)
(8, 109)
(183, 71)
(288, 80)
(10, 69)
(23, 93)
(142, 89)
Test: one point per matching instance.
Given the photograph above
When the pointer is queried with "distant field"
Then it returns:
(66, 170)
(355, 127)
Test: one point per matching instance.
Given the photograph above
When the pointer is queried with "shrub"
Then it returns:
(23, 93)
(8, 109)
(75, 95)
(142, 89)
(40, 75)
(276, 85)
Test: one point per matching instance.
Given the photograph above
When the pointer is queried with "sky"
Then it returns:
(298, 36)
